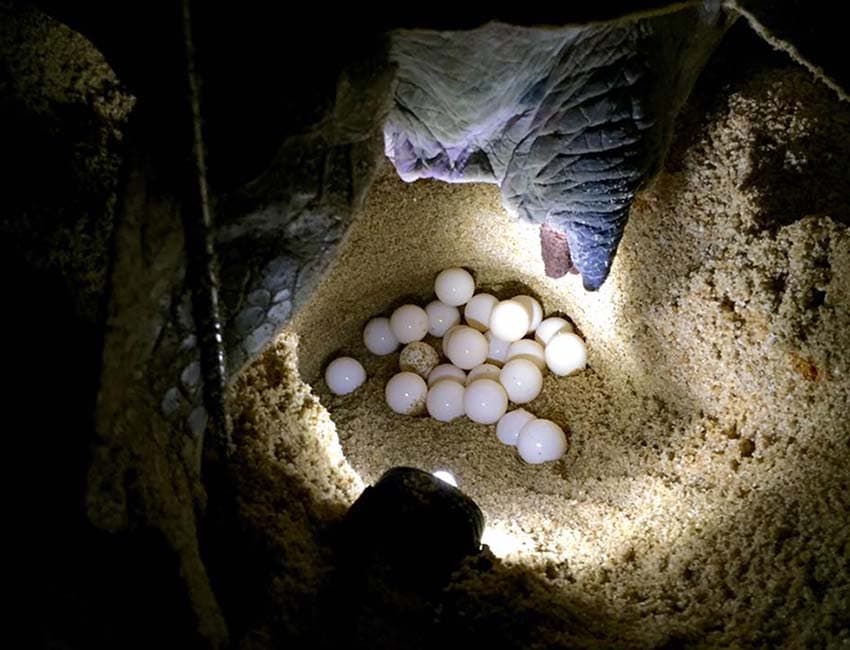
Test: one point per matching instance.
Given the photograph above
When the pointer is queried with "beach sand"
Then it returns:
(704, 497)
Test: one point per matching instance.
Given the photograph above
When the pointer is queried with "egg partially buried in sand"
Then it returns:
(541, 441)
(405, 393)
(418, 357)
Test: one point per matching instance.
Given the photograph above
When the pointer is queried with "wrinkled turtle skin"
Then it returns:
(568, 122)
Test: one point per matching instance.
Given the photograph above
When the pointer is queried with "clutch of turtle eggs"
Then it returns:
(496, 358)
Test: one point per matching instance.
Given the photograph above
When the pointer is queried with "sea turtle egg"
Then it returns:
(441, 317)
(485, 401)
(528, 349)
(344, 375)
(447, 371)
(484, 371)
(509, 320)
(405, 393)
(535, 311)
(522, 380)
(478, 309)
(418, 357)
(566, 353)
(445, 401)
(510, 424)
(454, 286)
(549, 327)
(497, 351)
(466, 348)
(540, 441)
(447, 337)
(379, 338)
(409, 323)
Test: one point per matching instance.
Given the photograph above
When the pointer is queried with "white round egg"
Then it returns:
(535, 311)
(445, 401)
(485, 401)
(566, 353)
(522, 380)
(510, 424)
(441, 317)
(418, 357)
(484, 371)
(528, 349)
(540, 441)
(378, 337)
(409, 323)
(509, 320)
(447, 337)
(467, 348)
(497, 349)
(549, 327)
(454, 286)
(447, 371)
(344, 375)
(478, 309)
(405, 393)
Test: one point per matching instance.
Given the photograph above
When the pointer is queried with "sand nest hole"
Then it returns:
(705, 484)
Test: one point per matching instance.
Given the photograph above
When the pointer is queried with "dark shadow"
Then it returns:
(282, 541)
(91, 589)
(815, 166)
(741, 55)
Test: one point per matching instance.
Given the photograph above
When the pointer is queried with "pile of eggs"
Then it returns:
(497, 357)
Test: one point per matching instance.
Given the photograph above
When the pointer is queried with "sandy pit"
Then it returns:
(704, 498)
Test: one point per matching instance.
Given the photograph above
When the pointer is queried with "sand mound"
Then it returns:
(704, 498)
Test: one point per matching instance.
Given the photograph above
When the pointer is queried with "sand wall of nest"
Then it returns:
(704, 498)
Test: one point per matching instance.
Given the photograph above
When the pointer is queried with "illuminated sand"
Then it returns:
(705, 494)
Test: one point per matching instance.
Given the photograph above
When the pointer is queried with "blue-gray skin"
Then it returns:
(569, 122)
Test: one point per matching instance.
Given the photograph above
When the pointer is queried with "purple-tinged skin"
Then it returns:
(555, 252)
(570, 122)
